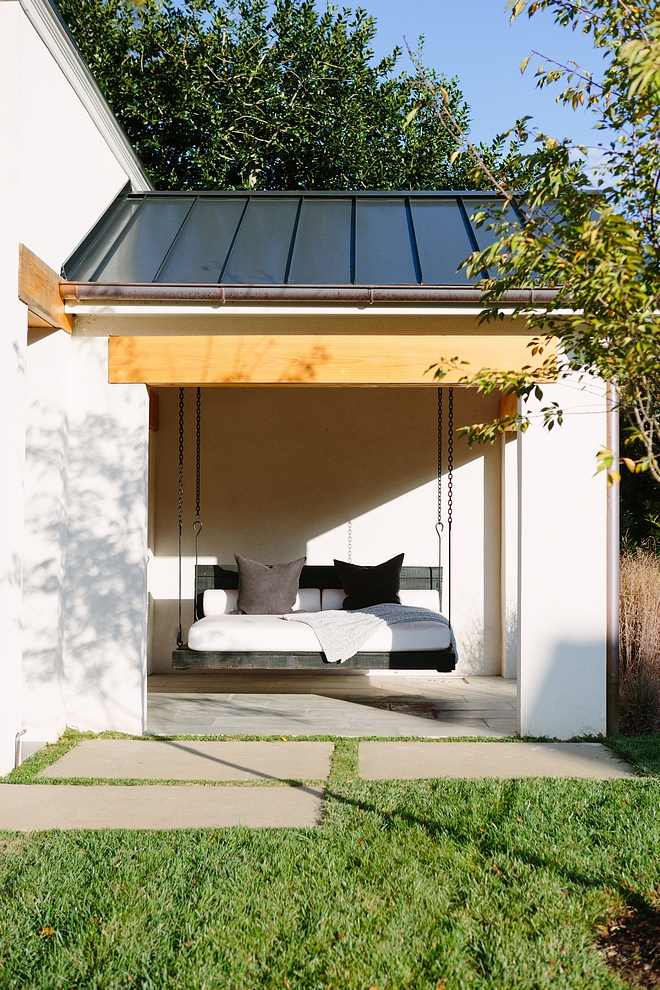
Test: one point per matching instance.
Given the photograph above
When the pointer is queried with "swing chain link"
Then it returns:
(197, 525)
(180, 459)
(350, 541)
(439, 526)
(450, 460)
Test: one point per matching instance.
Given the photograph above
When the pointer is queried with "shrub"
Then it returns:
(640, 642)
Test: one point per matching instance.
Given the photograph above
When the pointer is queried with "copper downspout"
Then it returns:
(94, 292)
(613, 492)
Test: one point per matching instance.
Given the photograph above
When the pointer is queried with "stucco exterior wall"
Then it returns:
(57, 175)
(563, 569)
(285, 469)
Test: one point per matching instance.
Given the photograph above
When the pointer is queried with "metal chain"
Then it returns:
(450, 460)
(197, 525)
(350, 541)
(179, 638)
(198, 449)
(439, 524)
(450, 492)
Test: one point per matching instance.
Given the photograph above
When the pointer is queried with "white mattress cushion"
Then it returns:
(407, 636)
(217, 601)
(269, 633)
(252, 633)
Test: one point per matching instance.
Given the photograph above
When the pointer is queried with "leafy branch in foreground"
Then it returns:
(588, 232)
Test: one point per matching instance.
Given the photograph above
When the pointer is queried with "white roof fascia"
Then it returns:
(52, 30)
(118, 309)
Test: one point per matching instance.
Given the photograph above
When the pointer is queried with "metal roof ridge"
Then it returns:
(329, 193)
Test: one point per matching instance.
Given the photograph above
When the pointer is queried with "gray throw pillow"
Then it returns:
(267, 589)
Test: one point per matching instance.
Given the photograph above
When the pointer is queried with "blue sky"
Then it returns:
(473, 40)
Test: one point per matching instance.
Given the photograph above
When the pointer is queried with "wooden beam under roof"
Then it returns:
(297, 359)
(39, 289)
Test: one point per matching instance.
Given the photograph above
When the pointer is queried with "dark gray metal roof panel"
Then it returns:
(384, 249)
(263, 243)
(282, 238)
(443, 240)
(204, 242)
(323, 249)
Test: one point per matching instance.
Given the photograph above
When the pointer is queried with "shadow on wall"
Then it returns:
(98, 522)
(45, 543)
(281, 466)
(565, 697)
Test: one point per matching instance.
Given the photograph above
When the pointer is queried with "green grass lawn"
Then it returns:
(448, 883)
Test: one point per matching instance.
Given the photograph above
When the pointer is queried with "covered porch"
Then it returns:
(309, 323)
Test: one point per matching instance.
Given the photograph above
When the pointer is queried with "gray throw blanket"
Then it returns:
(341, 634)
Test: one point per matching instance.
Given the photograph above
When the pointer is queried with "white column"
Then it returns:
(563, 569)
(44, 559)
(105, 643)
(13, 343)
(510, 554)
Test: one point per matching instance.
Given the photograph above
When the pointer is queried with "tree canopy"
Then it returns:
(218, 94)
(593, 235)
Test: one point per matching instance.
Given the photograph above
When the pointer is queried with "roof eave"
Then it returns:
(100, 294)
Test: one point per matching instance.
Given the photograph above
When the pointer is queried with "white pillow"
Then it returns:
(421, 598)
(332, 598)
(218, 601)
(308, 600)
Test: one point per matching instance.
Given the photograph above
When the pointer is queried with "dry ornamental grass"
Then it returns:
(640, 643)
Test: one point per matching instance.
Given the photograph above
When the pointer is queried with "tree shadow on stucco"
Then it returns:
(97, 513)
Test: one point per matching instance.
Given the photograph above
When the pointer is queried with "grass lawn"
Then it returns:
(448, 883)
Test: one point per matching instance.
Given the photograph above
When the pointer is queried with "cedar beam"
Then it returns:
(305, 359)
(39, 289)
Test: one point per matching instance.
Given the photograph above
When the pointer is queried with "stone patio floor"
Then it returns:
(338, 703)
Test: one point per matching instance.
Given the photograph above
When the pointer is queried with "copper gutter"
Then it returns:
(154, 292)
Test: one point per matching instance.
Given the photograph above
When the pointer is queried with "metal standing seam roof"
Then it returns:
(310, 239)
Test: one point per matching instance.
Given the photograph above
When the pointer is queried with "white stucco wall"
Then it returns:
(12, 397)
(57, 175)
(562, 575)
(84, 616)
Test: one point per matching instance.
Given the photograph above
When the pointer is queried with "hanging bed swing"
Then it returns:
(220, 639)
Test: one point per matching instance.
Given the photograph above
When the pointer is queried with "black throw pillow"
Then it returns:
(365, 586)
(267, 589)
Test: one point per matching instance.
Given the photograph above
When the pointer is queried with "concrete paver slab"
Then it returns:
(415, 761)
(192, 760)
(35, 807)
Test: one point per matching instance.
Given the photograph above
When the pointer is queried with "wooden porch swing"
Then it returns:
(225, 576)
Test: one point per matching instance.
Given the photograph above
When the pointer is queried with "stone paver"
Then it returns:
(415, 761)
(359, 705)
(34, 807)
(192, 760)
